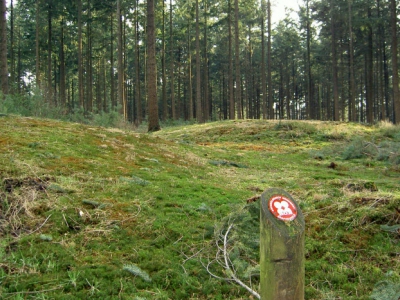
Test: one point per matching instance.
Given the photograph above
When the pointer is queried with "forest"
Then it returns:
(213, 59)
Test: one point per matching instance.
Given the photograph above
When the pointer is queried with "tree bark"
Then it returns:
(352, 89)
(199, 107)
(334, 68)
(37, 43)
(206, 108)
(152, 70)
(269, 63)
(230, 70)
(3, 48)
(80, 58)
(369, 74)
(238, 93)
(310, 113)
(12, 45)
(121, 94)
(190, 87)
(171, 68)
(139, 112)
(62, 67)
(396, 94)
(263, 74)
(49, 51)
(163, 66)
(89, 61)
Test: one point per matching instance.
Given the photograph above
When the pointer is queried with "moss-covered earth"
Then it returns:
(90, 212)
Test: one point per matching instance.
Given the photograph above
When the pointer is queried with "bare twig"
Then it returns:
(226, 263)
(45, 221)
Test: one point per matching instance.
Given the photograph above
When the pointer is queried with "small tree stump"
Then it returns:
(281, 247)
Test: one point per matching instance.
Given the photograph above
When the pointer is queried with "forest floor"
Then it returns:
(104, 213)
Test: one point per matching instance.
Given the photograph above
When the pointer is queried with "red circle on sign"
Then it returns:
(282, 208)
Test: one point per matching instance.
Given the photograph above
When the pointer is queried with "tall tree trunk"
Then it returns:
(206, 108)
(334, 67)
(80, 57)
(62, 66)
(89, 61)
(352, 89)
(12, 44)
(190, 87)
(269, 64)
(171, 68)
(3, 48)
(199, 107)
(396, 94)
(49, 51)
(238, 92)
(249, 76)
(263, 74)
(230, 70)
(121, 94)
(154, 124)
(369, 74)
(138, 99)
(163, 66)
(37, 44)
(309, 101)
(380, 62)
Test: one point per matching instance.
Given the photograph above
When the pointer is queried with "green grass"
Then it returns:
(115, 214)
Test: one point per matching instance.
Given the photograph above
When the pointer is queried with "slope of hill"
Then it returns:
(112, 214)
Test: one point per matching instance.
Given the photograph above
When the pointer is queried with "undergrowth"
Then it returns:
(108, 213)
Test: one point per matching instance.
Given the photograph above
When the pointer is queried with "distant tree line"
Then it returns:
(214, 59)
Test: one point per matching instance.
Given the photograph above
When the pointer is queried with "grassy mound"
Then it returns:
(114, 214)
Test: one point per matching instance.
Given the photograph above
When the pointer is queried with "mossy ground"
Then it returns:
(80, 203)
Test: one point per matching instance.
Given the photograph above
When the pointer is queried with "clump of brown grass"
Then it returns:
(20, 208)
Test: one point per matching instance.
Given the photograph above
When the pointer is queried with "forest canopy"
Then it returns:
(215, 59)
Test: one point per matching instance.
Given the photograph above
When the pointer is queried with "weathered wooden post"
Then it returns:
(281, 247)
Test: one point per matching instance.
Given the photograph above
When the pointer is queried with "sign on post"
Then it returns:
(281, 247)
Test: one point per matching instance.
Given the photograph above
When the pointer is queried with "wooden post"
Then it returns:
(281, 247)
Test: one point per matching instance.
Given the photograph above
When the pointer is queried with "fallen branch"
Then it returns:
(226, 263)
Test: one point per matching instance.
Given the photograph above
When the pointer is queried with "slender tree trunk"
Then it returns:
(49, 51)
(396, 94)
(80, 58)
(352, 89)
(152, 69)
(336, 116)
(369, 74)
(180, 109)
(121, 94)
(380, 61)
(112, 74)
(3, 48)
(171, 70)
(190, 87)
(238, 92)
(37, 43)
(12, 44)
(62, 67)
(310, 113)
(263, 74)
(269, 64)
(206, 108)
(199, 107)
(137, 68)
(89, 61)
(163, 66)
(230, 70)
